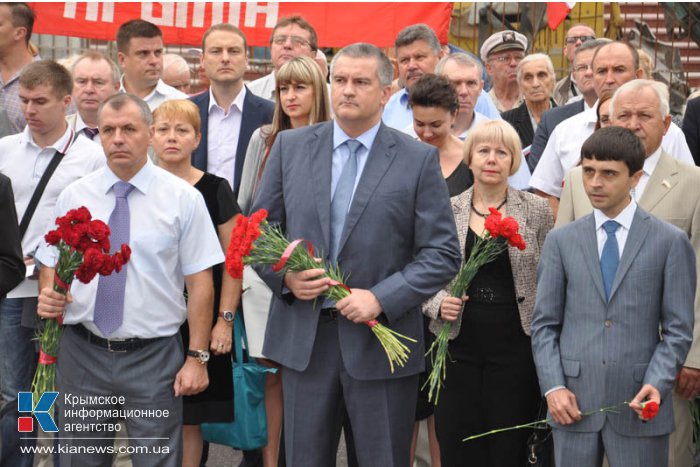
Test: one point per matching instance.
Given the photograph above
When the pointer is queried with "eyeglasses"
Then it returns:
(507, 58)
(573, 39)
(297, 41)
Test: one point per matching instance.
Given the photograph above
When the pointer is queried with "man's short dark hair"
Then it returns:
(385, 70)
(615, 143)
(22, 16)
(224, 27)
(303, 24)
(434, 91)
(119, 100)
(418, 32)
(47, 72)
(135, 28)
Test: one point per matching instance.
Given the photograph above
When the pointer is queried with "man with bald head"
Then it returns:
(567, 88)
(668, 190)
(614, 64)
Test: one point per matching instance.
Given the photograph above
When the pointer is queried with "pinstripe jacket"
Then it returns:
(535, 219)
(604, 351)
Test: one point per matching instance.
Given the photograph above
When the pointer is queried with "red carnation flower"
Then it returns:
(126, 252)
(84, 274)
(53, 237)
(493, 224)
(649, 410)
(509, 227)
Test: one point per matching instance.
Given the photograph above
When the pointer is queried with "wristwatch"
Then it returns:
(202, 356)
(227, 316)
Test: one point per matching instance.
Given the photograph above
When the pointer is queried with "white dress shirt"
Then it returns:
(24, 162)
(624, 218)
(650, 164)
(161, 93)
(171, 236)
(563, 150)
(264, 87)
(222, 136)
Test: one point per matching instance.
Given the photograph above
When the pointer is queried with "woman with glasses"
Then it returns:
(302, 99)
(491, 380)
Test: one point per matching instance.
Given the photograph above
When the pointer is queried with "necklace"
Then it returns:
(487, 215)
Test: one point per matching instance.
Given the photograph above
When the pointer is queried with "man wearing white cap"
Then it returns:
(501, 53)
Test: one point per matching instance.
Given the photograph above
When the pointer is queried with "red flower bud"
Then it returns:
(649, 410)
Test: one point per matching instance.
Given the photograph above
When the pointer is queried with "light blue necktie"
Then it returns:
(109, 303)
(342, 197)
(610, 258)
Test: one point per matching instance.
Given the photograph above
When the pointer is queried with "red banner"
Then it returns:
(337, 24)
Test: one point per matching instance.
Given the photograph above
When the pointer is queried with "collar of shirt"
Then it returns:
(651, 162)
(366, 138)
(79, 123)
(161, 89)
(61, 144)
(403, 97)
(237, 102)
(141, 181)
(478, 118)
(587, 108)
(624, 218)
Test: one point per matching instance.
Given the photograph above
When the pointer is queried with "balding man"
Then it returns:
(176, 72)
(668, 190)
(95, 79)
(614, 64)
(567, 88)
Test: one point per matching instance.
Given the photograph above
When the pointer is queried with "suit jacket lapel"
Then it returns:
(516, 210)
(199, 156)
(320, 166)
(589, 243)
(661, 181)
(378, 161)
(525, 125)
(635, 239)
(250, 121)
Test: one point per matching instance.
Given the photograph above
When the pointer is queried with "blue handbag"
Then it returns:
(248, 430)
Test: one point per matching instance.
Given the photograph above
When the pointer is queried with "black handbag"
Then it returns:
(540, 445)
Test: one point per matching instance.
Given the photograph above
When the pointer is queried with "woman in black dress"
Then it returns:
(176, 133)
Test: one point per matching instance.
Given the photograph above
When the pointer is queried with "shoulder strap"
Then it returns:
(39, 190)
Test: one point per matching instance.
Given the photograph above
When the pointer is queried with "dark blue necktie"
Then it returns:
(610, 259)
(109, 302)
(91, 132)
(342, 197)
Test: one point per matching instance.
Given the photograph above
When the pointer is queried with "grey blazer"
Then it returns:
(604, 351)
(535, 219)
(671, 194)
(399, 241)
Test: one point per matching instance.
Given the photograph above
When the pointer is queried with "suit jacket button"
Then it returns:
(608, 323)
(521, 299)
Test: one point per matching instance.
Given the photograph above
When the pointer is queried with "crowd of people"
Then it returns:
(392, 179)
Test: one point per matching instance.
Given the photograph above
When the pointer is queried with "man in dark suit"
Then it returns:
(691, 128)
(375, 202)
(583, 75)
(613, 317)
(11, 259)
(230, 113)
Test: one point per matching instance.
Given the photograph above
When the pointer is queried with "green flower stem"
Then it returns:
(612, 408)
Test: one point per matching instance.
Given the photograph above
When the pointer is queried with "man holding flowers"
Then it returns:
(613, 317)
(121, 335)
(373, 202)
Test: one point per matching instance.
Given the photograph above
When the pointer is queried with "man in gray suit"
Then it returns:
(613, 317)
(374, 202)
(668, 190)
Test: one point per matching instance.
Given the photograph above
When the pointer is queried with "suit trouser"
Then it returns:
(572, 449)
(144, 377)
(381, 411)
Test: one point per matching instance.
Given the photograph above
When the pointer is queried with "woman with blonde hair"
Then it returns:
(302, 99)
(175, 135)
(491, 379)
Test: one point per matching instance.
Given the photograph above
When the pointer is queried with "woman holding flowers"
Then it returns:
(175, 134)
(302, 99)
(490, 374)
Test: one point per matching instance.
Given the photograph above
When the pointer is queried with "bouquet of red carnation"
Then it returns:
(83, 252)
(255, 241)
(484, 251)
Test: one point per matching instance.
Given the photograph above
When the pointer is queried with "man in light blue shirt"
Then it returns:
(140, 360)
(417, 53)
